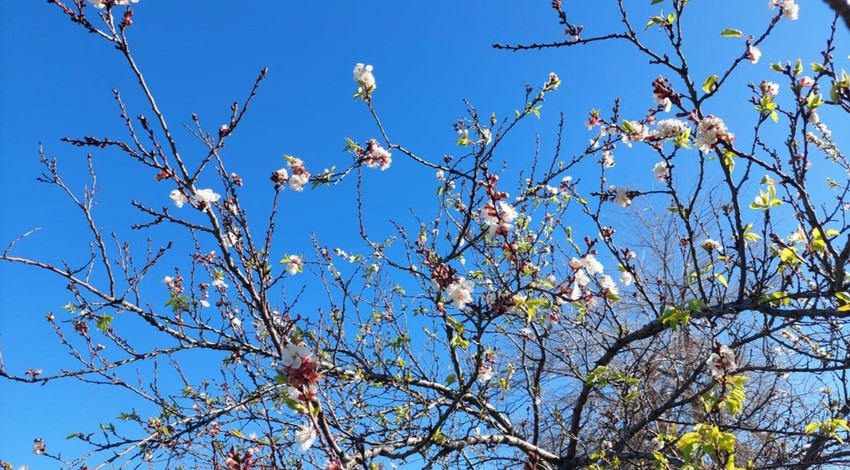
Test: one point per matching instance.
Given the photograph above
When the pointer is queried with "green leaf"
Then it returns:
(450, 380)
(103, 323)
(731, 33)
(710, 84)
(656, 1)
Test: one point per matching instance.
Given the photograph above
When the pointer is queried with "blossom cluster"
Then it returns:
(721, 362)
(300, 366)
(376, 156)
(790, 10)
(460, 292)
(710, 132)
(201, 199)
(99, 4)
(498, 221)
(300, 176)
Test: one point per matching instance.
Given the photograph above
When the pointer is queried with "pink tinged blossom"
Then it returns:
(178, 197)
(485, 373)
(721, 362)
(575, 263)
(295, 355)
(297, 182)
(294, 265)
(219, 284)
(498, 221)
(280, 178)
(460, 292)
(661, 170)
(806, 81)
(376, 156)
(753, 54)
(710, 132)
(364, 77)
(305, 436)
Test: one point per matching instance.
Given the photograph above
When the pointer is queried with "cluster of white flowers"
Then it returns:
(753, 54)
(669, 129)
(364, 77)
(661, 170)
(722, 362)
(300, 176)
(790, 10)
(294, 355)
(376, 156)
(201, 199)
(294, 264)
(498, 221)
(305, 436)
(460, 292)
(104, 3)
(711, 245)
(710, 132)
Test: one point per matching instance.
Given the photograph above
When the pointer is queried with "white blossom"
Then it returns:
(790, 10)
(178, 197)
(485, 373)
(626, 278)
(99, 4)
(721, 362)
(592, 265)
(294, 264)
(364, 77)
(498, 221)
(753, 54)
(608, 284)
(304, 437)
(460, 292)
(297, 182)
(661, 170)
(669, 129)
(294, 355)
(623, 199)
(205, 196)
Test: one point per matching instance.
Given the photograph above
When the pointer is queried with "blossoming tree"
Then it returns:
(530, 325)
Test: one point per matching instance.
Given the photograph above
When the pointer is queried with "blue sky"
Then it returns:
(56, 81)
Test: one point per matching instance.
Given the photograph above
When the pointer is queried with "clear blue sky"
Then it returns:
(56, 80)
